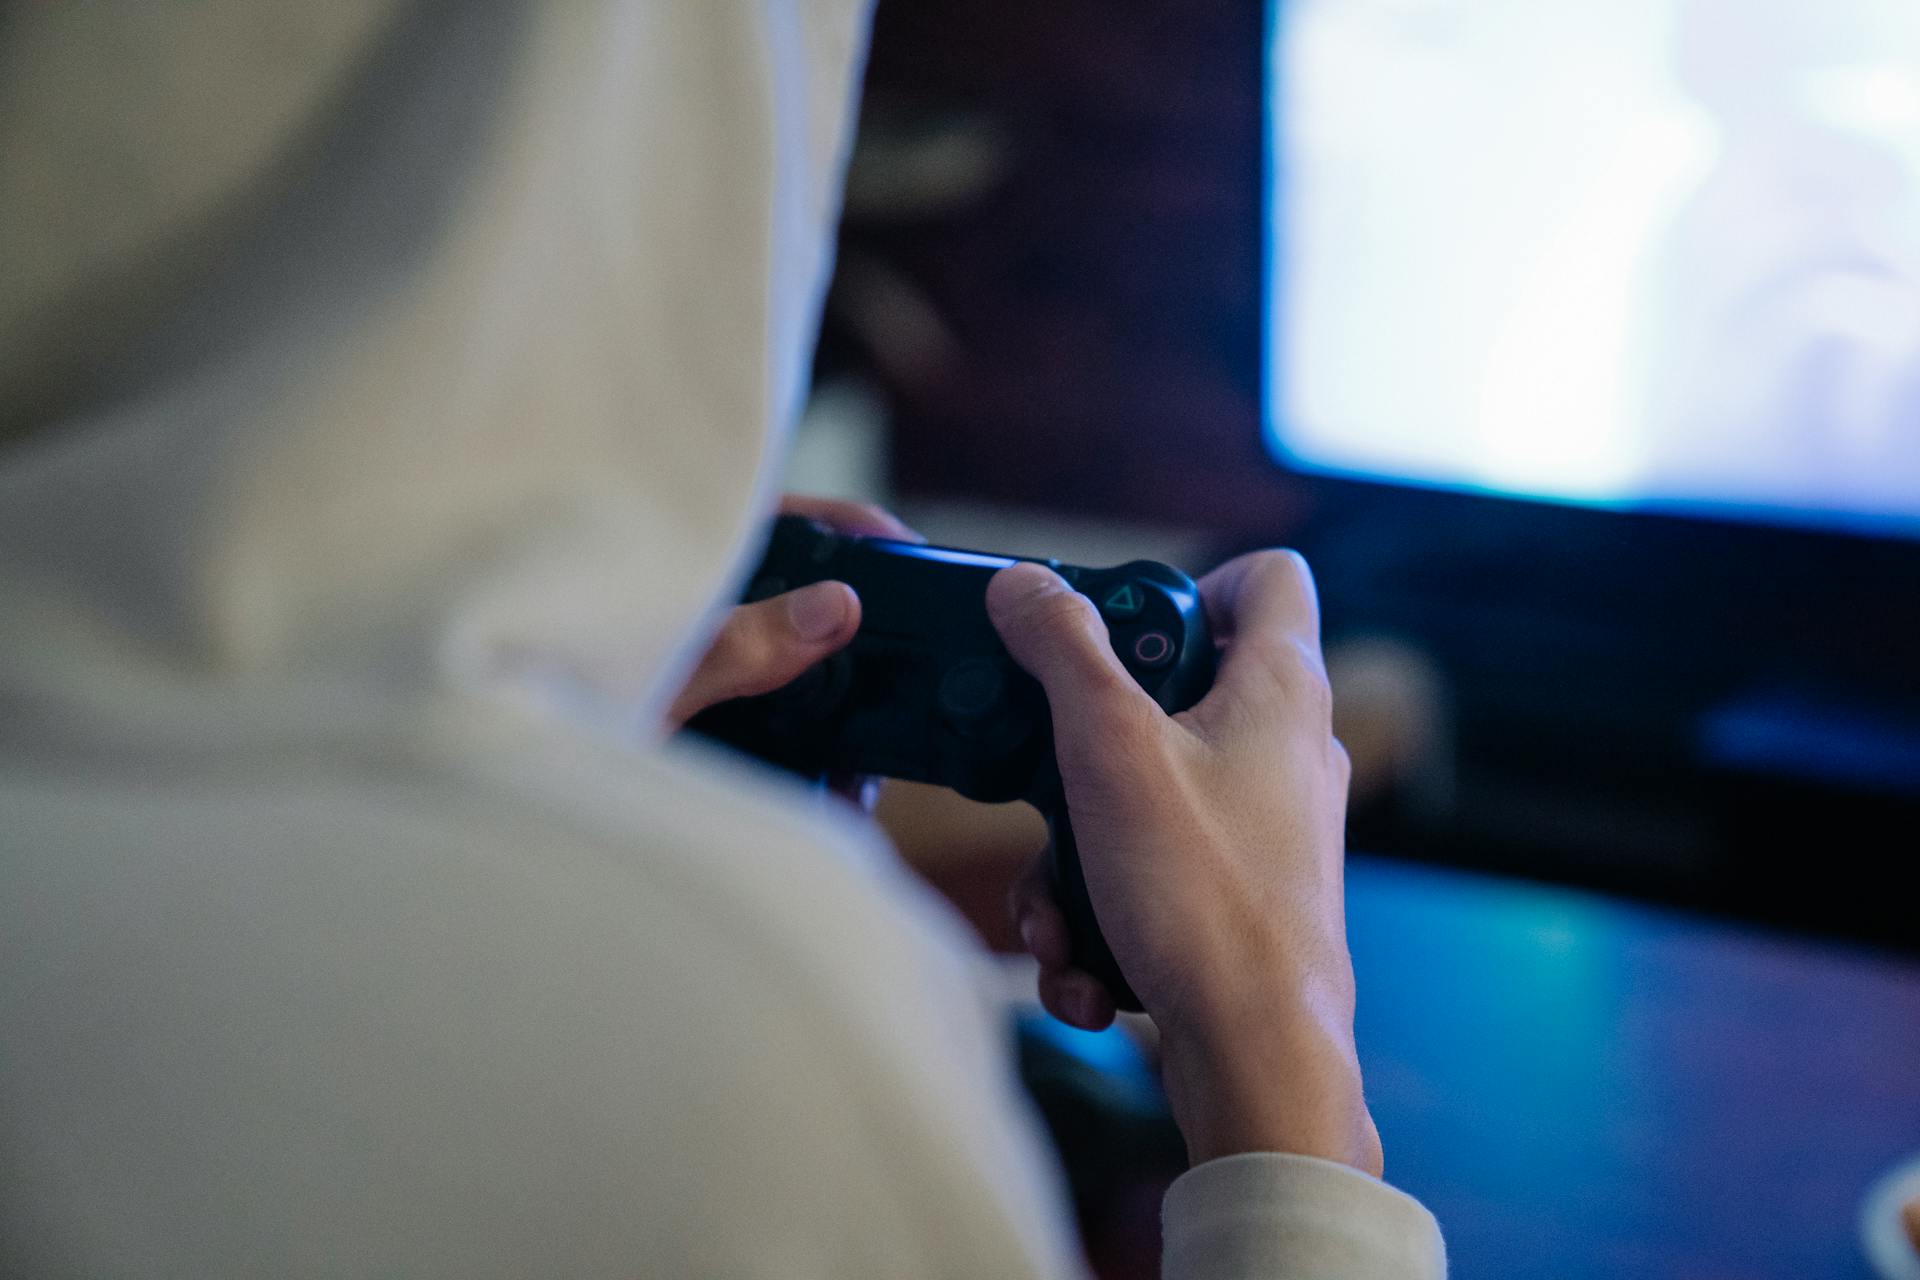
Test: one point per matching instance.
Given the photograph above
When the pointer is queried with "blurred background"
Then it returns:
(1578, 344)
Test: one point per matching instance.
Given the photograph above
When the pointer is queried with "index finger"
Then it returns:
(1265, 612)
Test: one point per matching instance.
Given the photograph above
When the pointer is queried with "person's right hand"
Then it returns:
(1213, 846)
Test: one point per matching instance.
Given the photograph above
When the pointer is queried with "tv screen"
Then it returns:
(1651, 253)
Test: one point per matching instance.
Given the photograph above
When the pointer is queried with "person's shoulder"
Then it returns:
(802, 1038)
(443, 1007)
(804, 885)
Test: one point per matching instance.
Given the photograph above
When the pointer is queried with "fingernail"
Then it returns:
(1035, 579)
(819, 611)
(1015, 587)
(1080, 1004)
(1027, 930)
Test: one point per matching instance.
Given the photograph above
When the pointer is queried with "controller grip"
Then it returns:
(1069, 884)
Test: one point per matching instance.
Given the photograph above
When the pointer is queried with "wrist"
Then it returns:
(1277, 1081)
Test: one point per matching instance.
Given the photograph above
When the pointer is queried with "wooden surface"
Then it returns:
(1582, 1088)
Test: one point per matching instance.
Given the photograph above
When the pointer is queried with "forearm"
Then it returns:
(1283, 1080)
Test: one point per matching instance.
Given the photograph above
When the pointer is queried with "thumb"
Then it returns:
(1056, 634)
(766, 645)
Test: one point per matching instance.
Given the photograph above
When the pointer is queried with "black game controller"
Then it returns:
(927, 692)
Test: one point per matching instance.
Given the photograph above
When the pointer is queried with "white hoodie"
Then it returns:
(391, 386)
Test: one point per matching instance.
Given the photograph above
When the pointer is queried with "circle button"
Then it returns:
(1153, 649)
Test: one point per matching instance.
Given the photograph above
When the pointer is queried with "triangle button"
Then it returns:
(1123, 601)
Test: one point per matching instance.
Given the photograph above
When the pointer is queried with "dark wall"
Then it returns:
(1097, 300)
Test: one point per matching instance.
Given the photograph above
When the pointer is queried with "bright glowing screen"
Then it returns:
(1634, 252)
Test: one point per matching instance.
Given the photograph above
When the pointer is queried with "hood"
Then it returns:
(400, 346)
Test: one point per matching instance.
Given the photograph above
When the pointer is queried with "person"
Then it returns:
(393, 394)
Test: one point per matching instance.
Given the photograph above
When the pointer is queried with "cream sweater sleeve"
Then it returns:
(1284, 1215)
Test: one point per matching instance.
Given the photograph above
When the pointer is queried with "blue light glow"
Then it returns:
(1112, 1052)
(947, 555)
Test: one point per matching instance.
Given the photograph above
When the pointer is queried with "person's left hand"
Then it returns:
(771, 642)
